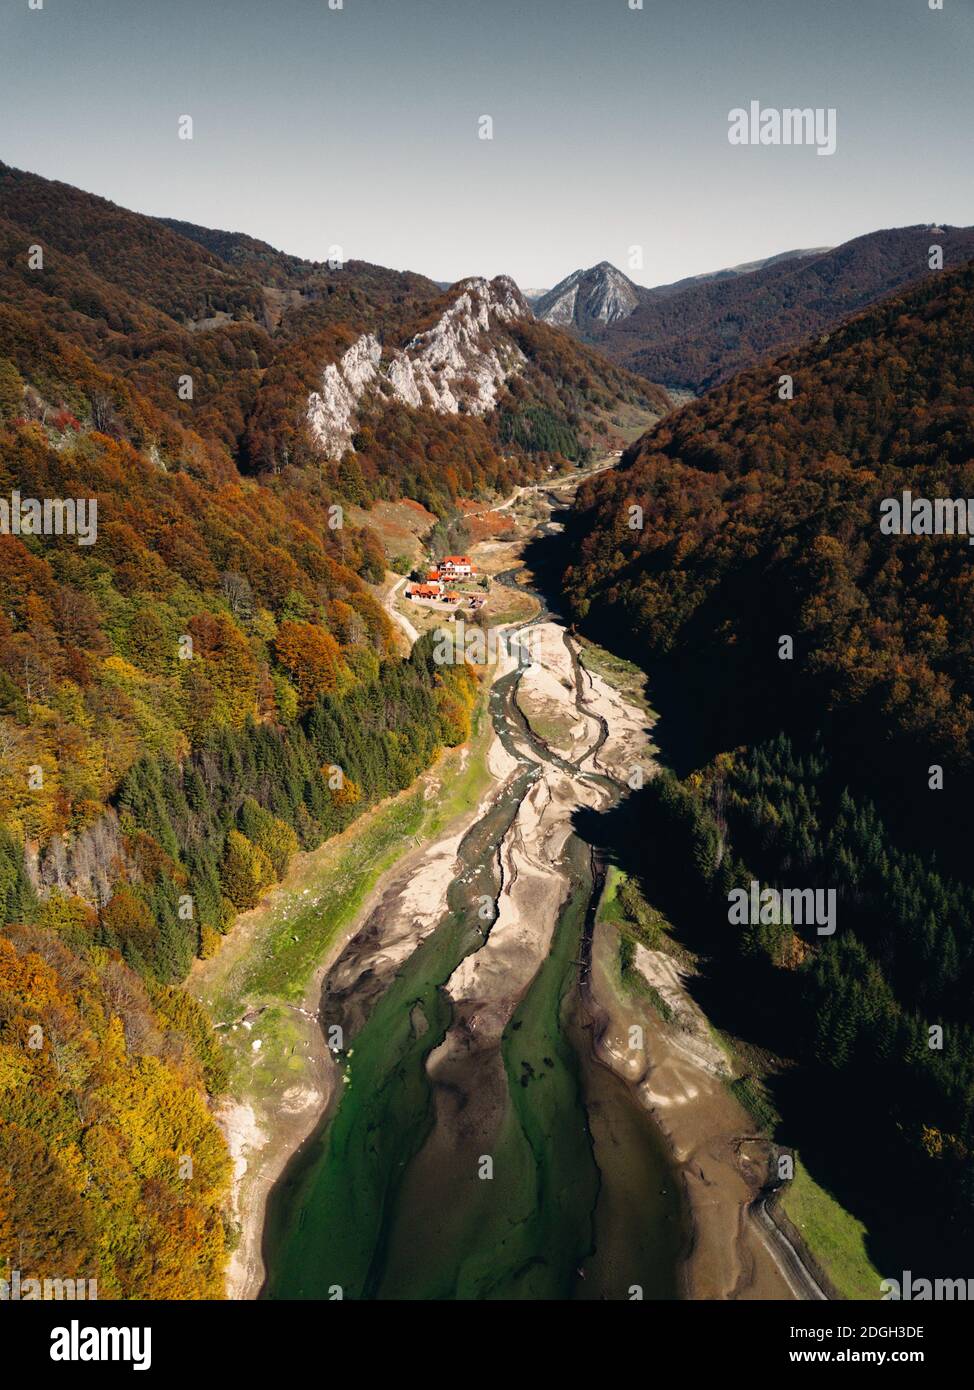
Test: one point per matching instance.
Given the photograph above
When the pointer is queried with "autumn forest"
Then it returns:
(218, 685)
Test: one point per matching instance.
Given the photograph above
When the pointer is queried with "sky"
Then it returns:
(358, 127)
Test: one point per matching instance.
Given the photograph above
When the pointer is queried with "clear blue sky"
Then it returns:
(359, 126)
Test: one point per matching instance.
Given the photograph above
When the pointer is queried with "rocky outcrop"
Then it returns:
(589, 299)
(332, 410)
(459, 363)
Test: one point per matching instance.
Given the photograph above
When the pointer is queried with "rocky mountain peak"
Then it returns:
(588, 300)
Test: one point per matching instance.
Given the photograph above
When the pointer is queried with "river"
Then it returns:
(478, 1148)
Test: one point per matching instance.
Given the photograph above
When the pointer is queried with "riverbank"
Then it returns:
(465, 1052)
(503, 1033)
(262, 988)
(679, 1073)
(464, 1045)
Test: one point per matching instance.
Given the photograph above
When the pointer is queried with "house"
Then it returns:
(432, 593)
(456, 567)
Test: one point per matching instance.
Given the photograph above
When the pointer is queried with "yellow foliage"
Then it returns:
(111, 1165)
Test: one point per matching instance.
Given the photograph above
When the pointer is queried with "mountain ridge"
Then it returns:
(698, 336)
(257, 331)
(608, 294)
(814, 672)
(696, 332)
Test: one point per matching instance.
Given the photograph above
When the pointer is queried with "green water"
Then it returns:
(522, 1232)
(328, 1219)
(579, 1183)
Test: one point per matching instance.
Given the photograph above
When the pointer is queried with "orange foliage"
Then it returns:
(312, 658)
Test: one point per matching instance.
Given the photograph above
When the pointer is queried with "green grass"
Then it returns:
(638, 982)
(462, 792)
(624, 676)
(755, 1100)
(297, 931)
(517, 610)
(835, 1238)
(299, 935)
(612, 912)
(633, 980)
(610, 909)
(623, 905)
(724, 1043)
(300, 926)
(553, 730)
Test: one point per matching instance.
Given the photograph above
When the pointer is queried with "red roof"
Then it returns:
(456, 560)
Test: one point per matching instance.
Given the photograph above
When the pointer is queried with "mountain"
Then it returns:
(588, 300)
(761, 517)
(695, 334)
(189, 649)
(477, 354)
(263, 336)
(728, 273)
(310, 386)
(814, 669)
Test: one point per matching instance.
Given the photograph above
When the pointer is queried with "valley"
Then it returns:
(490, 1129)
(419, 947)
(483, 769)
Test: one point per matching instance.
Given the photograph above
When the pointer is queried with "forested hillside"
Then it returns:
(205, 688)
(871, 1074)
(697, 336)
(157, 303)
(184, 704)
(761, 518)
(111, 1165)
(843, 765)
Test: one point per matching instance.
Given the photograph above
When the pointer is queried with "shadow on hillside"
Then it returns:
(843, 1134)
(715, 696)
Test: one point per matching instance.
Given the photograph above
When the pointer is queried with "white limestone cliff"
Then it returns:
(453, 363)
